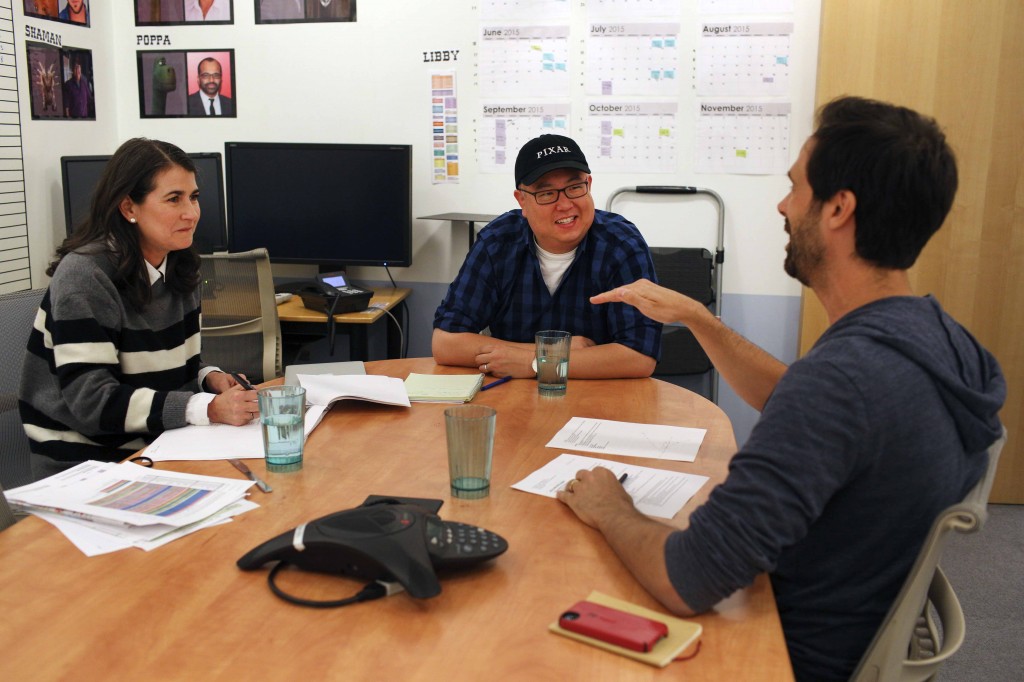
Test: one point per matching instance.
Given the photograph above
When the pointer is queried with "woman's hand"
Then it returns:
(235, 406)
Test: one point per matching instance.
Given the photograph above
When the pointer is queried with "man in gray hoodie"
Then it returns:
(862, 442)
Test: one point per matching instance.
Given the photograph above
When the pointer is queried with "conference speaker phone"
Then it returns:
(331, 293)
(398, 543)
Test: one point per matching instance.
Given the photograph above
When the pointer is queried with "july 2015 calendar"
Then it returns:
(505, 128)
(741, 137)
(633, 59)
(744, 59)
(524, 61)
(631, 136)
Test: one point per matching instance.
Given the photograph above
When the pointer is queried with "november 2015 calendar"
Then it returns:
(748, 138)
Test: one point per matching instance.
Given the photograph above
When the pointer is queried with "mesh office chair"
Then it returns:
(695, 272)
(18, 312)
(906, 646)
(241, 332)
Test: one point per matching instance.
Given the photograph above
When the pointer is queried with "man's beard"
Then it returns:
(804, 252)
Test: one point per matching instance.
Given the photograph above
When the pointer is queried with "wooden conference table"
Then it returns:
(185, 611)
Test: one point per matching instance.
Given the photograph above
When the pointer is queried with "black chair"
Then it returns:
(18, 312)
(695, 272)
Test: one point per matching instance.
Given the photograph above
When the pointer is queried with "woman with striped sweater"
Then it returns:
(114, 354)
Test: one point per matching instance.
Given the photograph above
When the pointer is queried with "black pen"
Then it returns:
(622, 478)
(242, 382)
(499, 382)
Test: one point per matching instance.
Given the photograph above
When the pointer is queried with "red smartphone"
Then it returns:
(613, 626)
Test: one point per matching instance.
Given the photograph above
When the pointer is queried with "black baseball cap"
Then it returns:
(547, 153)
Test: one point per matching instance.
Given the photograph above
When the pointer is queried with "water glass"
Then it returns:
(282, 417)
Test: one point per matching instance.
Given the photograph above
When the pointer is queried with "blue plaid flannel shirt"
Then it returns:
(500, 286)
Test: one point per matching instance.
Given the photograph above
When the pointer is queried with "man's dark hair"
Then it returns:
(131, 172)
(897, 164)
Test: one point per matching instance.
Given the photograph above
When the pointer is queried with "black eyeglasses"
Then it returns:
(550, 196)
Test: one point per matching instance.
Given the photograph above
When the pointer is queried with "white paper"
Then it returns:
(656, 441)
(655, 492)
(222, 441)
(128, 495)
(219, 441)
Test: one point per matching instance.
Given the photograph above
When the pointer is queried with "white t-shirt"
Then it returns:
(553, 266)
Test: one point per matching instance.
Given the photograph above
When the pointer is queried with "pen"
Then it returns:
(622, 478)
(242, 382)
(499, 382)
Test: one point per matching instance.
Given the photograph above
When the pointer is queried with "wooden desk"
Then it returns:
(185, 611)
(298, 320)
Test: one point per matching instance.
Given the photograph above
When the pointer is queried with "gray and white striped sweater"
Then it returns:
(101, 380)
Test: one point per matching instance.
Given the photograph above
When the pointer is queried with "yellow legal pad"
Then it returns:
(443, 388)
(682, 634)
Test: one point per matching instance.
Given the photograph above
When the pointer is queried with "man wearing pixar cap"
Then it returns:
(536, 267)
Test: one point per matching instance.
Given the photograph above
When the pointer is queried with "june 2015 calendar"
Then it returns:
(633, 59)
(631, 136)
(524, 61)
(505, 128)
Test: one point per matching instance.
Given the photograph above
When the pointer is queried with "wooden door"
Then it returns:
(963, 63)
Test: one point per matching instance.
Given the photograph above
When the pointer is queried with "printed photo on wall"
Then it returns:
(61, 82)
(296, 11)
(170, 12)
(68, 11)
(178, 83)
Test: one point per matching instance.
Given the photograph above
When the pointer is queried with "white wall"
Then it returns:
(367, 82)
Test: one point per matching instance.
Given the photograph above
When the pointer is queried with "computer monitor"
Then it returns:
(330, 205)
(80, 175)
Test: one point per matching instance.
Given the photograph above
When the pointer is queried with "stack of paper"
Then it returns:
(443, 388)
(103, 507)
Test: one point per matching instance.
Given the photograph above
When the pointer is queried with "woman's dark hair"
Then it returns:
(898, 165)
(131, 172)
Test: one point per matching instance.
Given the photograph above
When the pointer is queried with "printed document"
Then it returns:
(657, 441)
(655, 492)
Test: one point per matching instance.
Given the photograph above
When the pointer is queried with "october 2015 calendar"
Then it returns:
(631, 136)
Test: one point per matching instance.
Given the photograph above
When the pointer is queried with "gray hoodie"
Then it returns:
(863, 442)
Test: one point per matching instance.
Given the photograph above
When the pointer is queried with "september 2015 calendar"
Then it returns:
(524, 61)
(631, 136)
(505, 128)
(633, 59)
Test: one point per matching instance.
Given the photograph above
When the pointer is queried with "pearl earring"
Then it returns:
(132, 220)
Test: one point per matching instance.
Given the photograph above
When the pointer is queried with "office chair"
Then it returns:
(695, 272)
(906, 647)
(6, 515)
(240, 329)
(18, 312)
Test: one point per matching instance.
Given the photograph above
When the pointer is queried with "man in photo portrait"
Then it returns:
(78, 97)
(74, 11)
(207, 10)
(211, 98)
